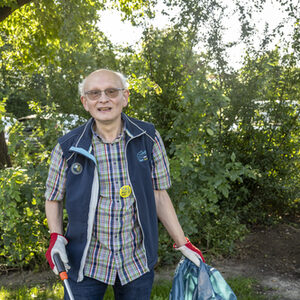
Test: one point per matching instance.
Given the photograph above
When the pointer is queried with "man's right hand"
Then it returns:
(57, 245)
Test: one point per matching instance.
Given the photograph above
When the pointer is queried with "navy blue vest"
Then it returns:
(82, 188)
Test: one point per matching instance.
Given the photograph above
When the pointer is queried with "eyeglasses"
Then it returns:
(96, 94)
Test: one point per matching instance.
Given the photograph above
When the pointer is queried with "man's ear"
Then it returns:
(126, 97)
(84, 103)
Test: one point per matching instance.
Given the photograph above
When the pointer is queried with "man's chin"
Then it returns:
(106, 119)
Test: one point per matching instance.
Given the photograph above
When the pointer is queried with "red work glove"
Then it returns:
(191, 252)
(57, 245)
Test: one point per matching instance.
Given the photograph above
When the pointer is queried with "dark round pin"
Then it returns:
(76, 168)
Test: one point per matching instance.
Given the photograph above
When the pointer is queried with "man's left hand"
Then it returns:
(191, 252)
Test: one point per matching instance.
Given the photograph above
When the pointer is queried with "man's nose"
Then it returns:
(103, 97)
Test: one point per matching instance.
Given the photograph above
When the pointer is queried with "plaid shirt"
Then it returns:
(116, 246)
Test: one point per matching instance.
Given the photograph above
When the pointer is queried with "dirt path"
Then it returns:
(271, 284)
(272, 256)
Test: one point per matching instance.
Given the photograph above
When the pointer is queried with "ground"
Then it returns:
(271, 255)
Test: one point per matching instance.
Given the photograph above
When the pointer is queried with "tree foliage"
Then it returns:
(264, 116)
(22, 218)
(7, 7)
(44, 44)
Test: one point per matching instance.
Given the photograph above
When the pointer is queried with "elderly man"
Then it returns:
(113, 174)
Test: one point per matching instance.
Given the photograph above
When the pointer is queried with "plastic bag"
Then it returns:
(203, 283)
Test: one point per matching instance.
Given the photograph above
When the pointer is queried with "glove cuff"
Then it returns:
(188, 245)
(175, 246)
(54, 235)
(57, 242)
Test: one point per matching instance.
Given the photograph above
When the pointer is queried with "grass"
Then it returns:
(248, 289)
(244, 288)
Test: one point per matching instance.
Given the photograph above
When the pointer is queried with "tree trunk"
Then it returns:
(4, 157)
(5, 11)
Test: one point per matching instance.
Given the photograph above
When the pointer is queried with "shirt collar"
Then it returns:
(120, 136)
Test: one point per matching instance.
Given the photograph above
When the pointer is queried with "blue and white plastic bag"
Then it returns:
(199, 283)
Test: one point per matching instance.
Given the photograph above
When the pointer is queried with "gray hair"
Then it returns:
(120, 75)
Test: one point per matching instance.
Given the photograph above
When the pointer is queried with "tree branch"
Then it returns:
(5, 11)
(4, 157)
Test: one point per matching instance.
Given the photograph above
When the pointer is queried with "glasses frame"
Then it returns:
(86, 94)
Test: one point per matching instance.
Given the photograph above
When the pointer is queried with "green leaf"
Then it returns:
(209, 131)
(232, 157)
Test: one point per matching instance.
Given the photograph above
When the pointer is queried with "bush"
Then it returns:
(24, 231)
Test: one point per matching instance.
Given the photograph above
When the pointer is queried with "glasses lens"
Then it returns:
(112, 93)
(94, 95)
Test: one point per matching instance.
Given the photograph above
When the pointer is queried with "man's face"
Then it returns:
(104, 110)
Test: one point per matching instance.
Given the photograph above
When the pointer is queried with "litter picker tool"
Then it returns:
(63, 274)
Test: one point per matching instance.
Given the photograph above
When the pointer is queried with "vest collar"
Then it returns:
(131, 127)
(84, 140)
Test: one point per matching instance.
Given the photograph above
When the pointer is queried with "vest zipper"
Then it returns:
(137, 206)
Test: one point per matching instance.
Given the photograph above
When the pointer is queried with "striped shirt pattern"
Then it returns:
(116, 246)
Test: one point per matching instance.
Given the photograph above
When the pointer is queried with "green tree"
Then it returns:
(168, 71)
(41, 38)
(8, 6)
(262, 128)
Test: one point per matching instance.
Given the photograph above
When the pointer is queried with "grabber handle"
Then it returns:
(60, 266)
(63, 274)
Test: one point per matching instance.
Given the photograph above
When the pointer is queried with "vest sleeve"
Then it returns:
(160, 165)
(56, 181)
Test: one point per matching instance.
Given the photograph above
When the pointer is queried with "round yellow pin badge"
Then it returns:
(125, 191)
